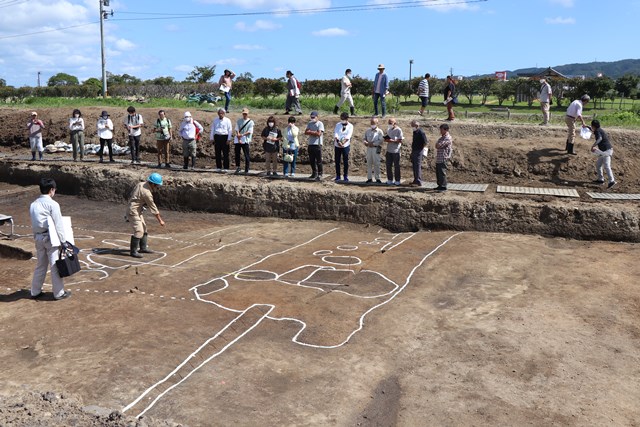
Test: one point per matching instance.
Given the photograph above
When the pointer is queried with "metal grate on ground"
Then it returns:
(560, 192)
(613, 196)
(476, 188)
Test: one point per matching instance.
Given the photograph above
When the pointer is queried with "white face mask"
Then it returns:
(314, 120)
(415, 128)
(390, 127)
(345, 122)
(105, 117)
(77, 116)
(270, 124)
(374, 126)
(348, 75)
(541, 82)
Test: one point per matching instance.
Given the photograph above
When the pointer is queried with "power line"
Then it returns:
(49, 31)
(354, 8)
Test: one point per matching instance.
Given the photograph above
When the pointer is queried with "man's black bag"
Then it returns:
(68, 262)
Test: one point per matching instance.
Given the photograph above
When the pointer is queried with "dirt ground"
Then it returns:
(491, 153)
(242, 321)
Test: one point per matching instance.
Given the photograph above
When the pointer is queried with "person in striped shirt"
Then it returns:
(423, 93)
(443, 154)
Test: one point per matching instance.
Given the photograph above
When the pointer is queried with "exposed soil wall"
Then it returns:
(391, 209)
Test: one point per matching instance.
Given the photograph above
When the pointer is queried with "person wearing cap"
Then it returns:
(163, 138)
(76, 127)
(345, 93)
(35, 127)
(342, 145)
(43, 208)
(290, 146)
(574, 112)
(315, 130)
(141, 197)
(242, 141)
(190, 131)
(225, 83)
(545, 100)
(380, 90)
(293, 94)
(221, 135)
(134, 123)
(105, 133)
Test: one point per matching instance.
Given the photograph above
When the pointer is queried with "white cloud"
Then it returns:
(438, 5)
(248, 47)
(564, 3)
(558, 20)
(230, 61)
(331, 32)
(260, 24)
(124, 44)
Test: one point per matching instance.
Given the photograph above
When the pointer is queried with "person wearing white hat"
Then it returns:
(380, 90)
(190, 131)
(35, 127)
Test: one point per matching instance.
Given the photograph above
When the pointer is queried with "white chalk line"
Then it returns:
(192, 355)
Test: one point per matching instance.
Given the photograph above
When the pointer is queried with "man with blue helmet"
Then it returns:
(142, 197)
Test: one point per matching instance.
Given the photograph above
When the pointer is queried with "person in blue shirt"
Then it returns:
(380, 90)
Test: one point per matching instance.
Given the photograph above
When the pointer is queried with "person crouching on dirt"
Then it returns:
(190, 131)
(142, 197)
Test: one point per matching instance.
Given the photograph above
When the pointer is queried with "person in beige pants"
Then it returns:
(142, 197)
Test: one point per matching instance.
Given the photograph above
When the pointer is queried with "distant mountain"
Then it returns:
(590, 69)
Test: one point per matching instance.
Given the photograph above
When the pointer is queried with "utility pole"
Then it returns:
(38, 78)
(103, 16)
(451, 71)
(410, 64)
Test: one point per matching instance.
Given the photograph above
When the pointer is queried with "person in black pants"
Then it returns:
(418, 145)
(221, 134)
(315, 130)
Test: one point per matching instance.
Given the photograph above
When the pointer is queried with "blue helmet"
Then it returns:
(155, 178)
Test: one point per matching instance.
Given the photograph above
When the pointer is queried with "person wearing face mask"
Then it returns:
(221, 135)
(373, 138)
(76, 126)
(290, 146)
(342, 145)
(418, 144)
(545, 101)
(315, 130)
(271, 137)
(105, 133)
(133, 122)
(244, 133)
(393, 138)
(345, 93)
(190, 131)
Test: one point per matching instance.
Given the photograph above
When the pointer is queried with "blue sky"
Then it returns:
(474, 37)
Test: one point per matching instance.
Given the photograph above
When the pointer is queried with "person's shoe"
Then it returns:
(159, 165)
(167, 165)
(268, 173)
(378, 181)
(598, 181)
(112, 161)
(346, 178)
(441, 189)
(138, 161)
(611, 184)
(337, 178)
(389, 182)
(133, 162)
(33, 158)
(419, 113)
(99, 161)
(335, 110)
(237, 171)
(143, 245)
(319, 178)
(291, 175)
(40, 295)
(299, 113)
(218, 170)
(369, 181)
(286, 112)
(275, 173)
(65, 295)
(313, 176)
(397, 183)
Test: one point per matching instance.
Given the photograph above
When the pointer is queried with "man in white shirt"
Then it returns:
(345, 93)
(41, 209)
(574, 112)
(221, 135)
(545, 101)
(190, 131)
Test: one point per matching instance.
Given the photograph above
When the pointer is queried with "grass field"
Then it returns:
(616, 113)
